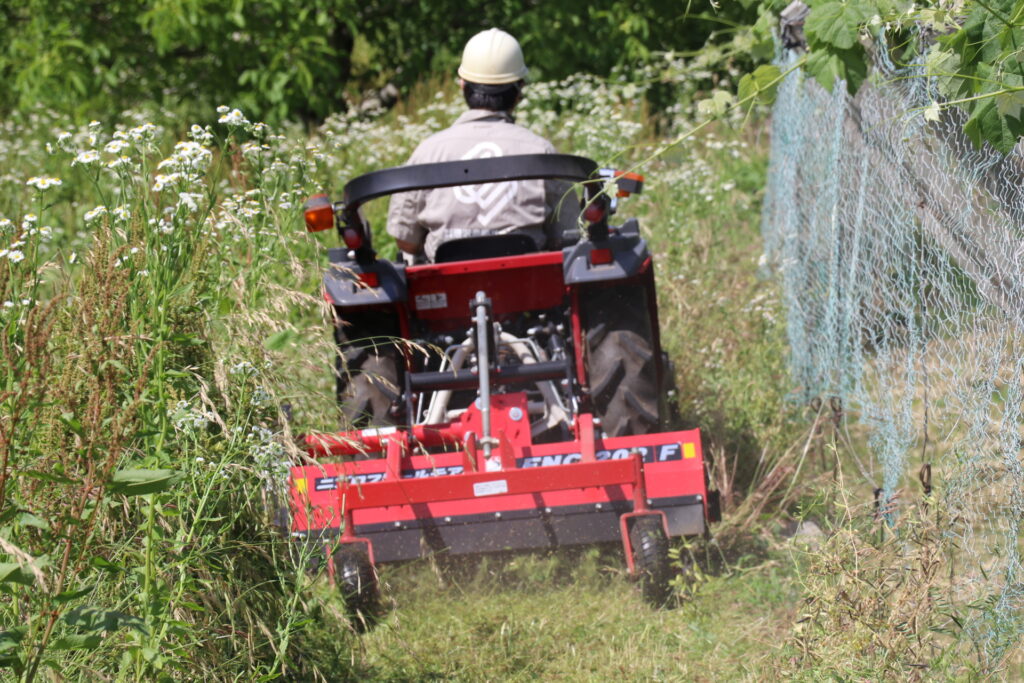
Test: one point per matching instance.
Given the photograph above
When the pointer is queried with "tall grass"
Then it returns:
(137, 435)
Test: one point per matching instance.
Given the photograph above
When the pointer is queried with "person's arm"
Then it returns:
(408, 247)
(403, 221)
(404, 213)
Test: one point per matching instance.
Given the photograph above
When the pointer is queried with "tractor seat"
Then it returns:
(489, 246)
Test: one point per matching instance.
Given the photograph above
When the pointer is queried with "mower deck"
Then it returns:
(526, 496)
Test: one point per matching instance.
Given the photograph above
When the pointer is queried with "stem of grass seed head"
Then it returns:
(95, 179)
(147, 585)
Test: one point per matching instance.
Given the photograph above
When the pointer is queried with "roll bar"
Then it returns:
(389, 181)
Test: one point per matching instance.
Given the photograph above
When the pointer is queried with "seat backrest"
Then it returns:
(488, 246)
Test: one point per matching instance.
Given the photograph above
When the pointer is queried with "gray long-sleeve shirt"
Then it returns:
(542, 209)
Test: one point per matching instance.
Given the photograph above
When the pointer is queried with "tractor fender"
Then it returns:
(629, 253)
(346, 286)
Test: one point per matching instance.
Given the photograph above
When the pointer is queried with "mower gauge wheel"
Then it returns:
(357, 581)
(650, 559)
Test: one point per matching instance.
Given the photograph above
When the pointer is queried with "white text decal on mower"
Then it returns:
(490, 488)
(661, 453)
(331, 483)
(426, 302)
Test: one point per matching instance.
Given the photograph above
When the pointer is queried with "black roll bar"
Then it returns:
(389, 181)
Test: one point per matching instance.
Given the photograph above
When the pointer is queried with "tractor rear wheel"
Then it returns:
(357, 581)
(621, 362)
(367, 380)
(650, 559)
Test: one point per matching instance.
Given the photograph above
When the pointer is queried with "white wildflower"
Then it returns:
(242, 368)
(85, 158)
(189, 200)
(121, 213)
(144, 132)
(223, 109)
(200, 134)
(93, 214)
(115, 146)
(43, 182)
(163, 181)
(15, 256)
(233, 118)
(187, 156)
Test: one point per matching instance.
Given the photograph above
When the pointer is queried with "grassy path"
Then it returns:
(576, 618)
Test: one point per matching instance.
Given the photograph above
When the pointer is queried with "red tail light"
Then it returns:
(353, 238)
(369, 279)
(319, 213)
(594, 213)
(600, 257)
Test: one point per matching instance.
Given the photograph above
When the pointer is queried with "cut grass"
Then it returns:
(573, 616)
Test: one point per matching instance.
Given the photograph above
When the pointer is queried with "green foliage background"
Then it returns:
(282, 59)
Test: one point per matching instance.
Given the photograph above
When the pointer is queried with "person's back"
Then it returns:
(492, 74)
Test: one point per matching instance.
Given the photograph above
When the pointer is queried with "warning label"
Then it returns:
(426, 302)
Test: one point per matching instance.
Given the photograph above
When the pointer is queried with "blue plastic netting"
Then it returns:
(901, 251)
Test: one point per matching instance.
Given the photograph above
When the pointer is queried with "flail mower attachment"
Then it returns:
(479, 484)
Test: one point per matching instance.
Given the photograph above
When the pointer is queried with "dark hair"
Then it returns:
(494, 97)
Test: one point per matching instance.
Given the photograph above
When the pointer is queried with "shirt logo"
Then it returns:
(490, 198)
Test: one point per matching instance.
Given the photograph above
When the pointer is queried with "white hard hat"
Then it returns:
(492, 57)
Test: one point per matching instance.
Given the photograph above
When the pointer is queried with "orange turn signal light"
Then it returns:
(628, 183)
(319, 213)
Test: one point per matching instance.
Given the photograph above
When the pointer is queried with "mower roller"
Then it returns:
(500, 398)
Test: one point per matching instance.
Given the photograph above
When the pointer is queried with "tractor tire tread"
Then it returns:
(622, 363)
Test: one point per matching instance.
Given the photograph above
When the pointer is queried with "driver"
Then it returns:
(491, 76)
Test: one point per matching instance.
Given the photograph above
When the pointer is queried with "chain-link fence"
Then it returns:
(901, 251)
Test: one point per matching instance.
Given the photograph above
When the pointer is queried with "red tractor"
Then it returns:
(500, 398)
